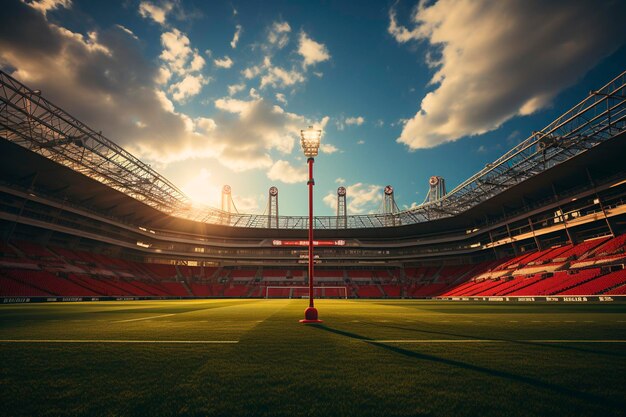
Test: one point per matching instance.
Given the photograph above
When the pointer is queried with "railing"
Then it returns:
(31, 121)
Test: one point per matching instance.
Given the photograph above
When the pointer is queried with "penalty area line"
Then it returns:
(426, 341)
(156, 342)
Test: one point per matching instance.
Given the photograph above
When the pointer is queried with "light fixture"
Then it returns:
(310, 141)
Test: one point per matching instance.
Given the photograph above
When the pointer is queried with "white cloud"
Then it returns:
(255, 70)
(232, 105)
(273, 76)
(181, 66)
(360, 198)
(283, 171)
(235, 88)
(246, 204)
(280, 77)
(328, 148)
(360, 142)
(163, 75)
(330, 200)
(176, 51)
(154, 12)
(225, 62)
(350, 121)
(105, 81)
(279, 34)
(254, 94)
(258, 126)
(197, 63)
(340, 180)
(188, 87)
(44, 6)
(322, 124)
(281, 98)
(281, 27)
(205, 124)
(130, 32)
(413, 205)
(251, 72)
(400, 33)
(164, 102)
(490, 65)
(235, 41)
(355, 120)
(363, 198)
(312, 52)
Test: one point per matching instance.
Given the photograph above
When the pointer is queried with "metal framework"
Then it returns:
(227, 199)
(437, 189)
(31, 121)
(390, 208)
(342, 213)
(272, 204)
(228, 205)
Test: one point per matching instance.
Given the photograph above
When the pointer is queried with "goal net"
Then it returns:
(303, 292)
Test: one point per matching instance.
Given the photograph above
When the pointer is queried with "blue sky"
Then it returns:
(214, 93)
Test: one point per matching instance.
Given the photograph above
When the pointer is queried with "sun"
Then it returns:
(202, 189)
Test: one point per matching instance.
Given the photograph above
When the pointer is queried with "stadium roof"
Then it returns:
(30, 121)
(59, 182)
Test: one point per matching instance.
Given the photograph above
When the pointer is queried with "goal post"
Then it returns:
(303, 292)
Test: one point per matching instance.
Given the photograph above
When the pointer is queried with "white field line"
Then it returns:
(424, 341)
(143, 318)
(181, 342)
(576, 341)
(435, 341)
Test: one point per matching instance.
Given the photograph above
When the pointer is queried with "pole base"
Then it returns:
(310, 316)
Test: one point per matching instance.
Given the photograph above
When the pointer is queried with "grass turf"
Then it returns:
(339, 368)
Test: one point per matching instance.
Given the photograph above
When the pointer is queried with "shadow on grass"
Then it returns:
(519, 342)
(467, 366)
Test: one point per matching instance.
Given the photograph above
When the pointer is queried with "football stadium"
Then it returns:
(502, 293)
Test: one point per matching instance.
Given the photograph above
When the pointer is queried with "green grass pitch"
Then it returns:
(368, 358)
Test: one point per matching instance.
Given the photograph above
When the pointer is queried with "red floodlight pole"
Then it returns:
(310, 144)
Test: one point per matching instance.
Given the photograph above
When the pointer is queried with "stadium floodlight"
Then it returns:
(310, 140)
(310, 144)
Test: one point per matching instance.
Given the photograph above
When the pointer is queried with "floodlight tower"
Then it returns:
(437, 188)
(342, 214)
(389, 207)
(227, 199)
(227, 202)
(272, 218)
(310, 141)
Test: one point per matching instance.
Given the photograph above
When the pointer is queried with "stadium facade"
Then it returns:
(551, 207)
